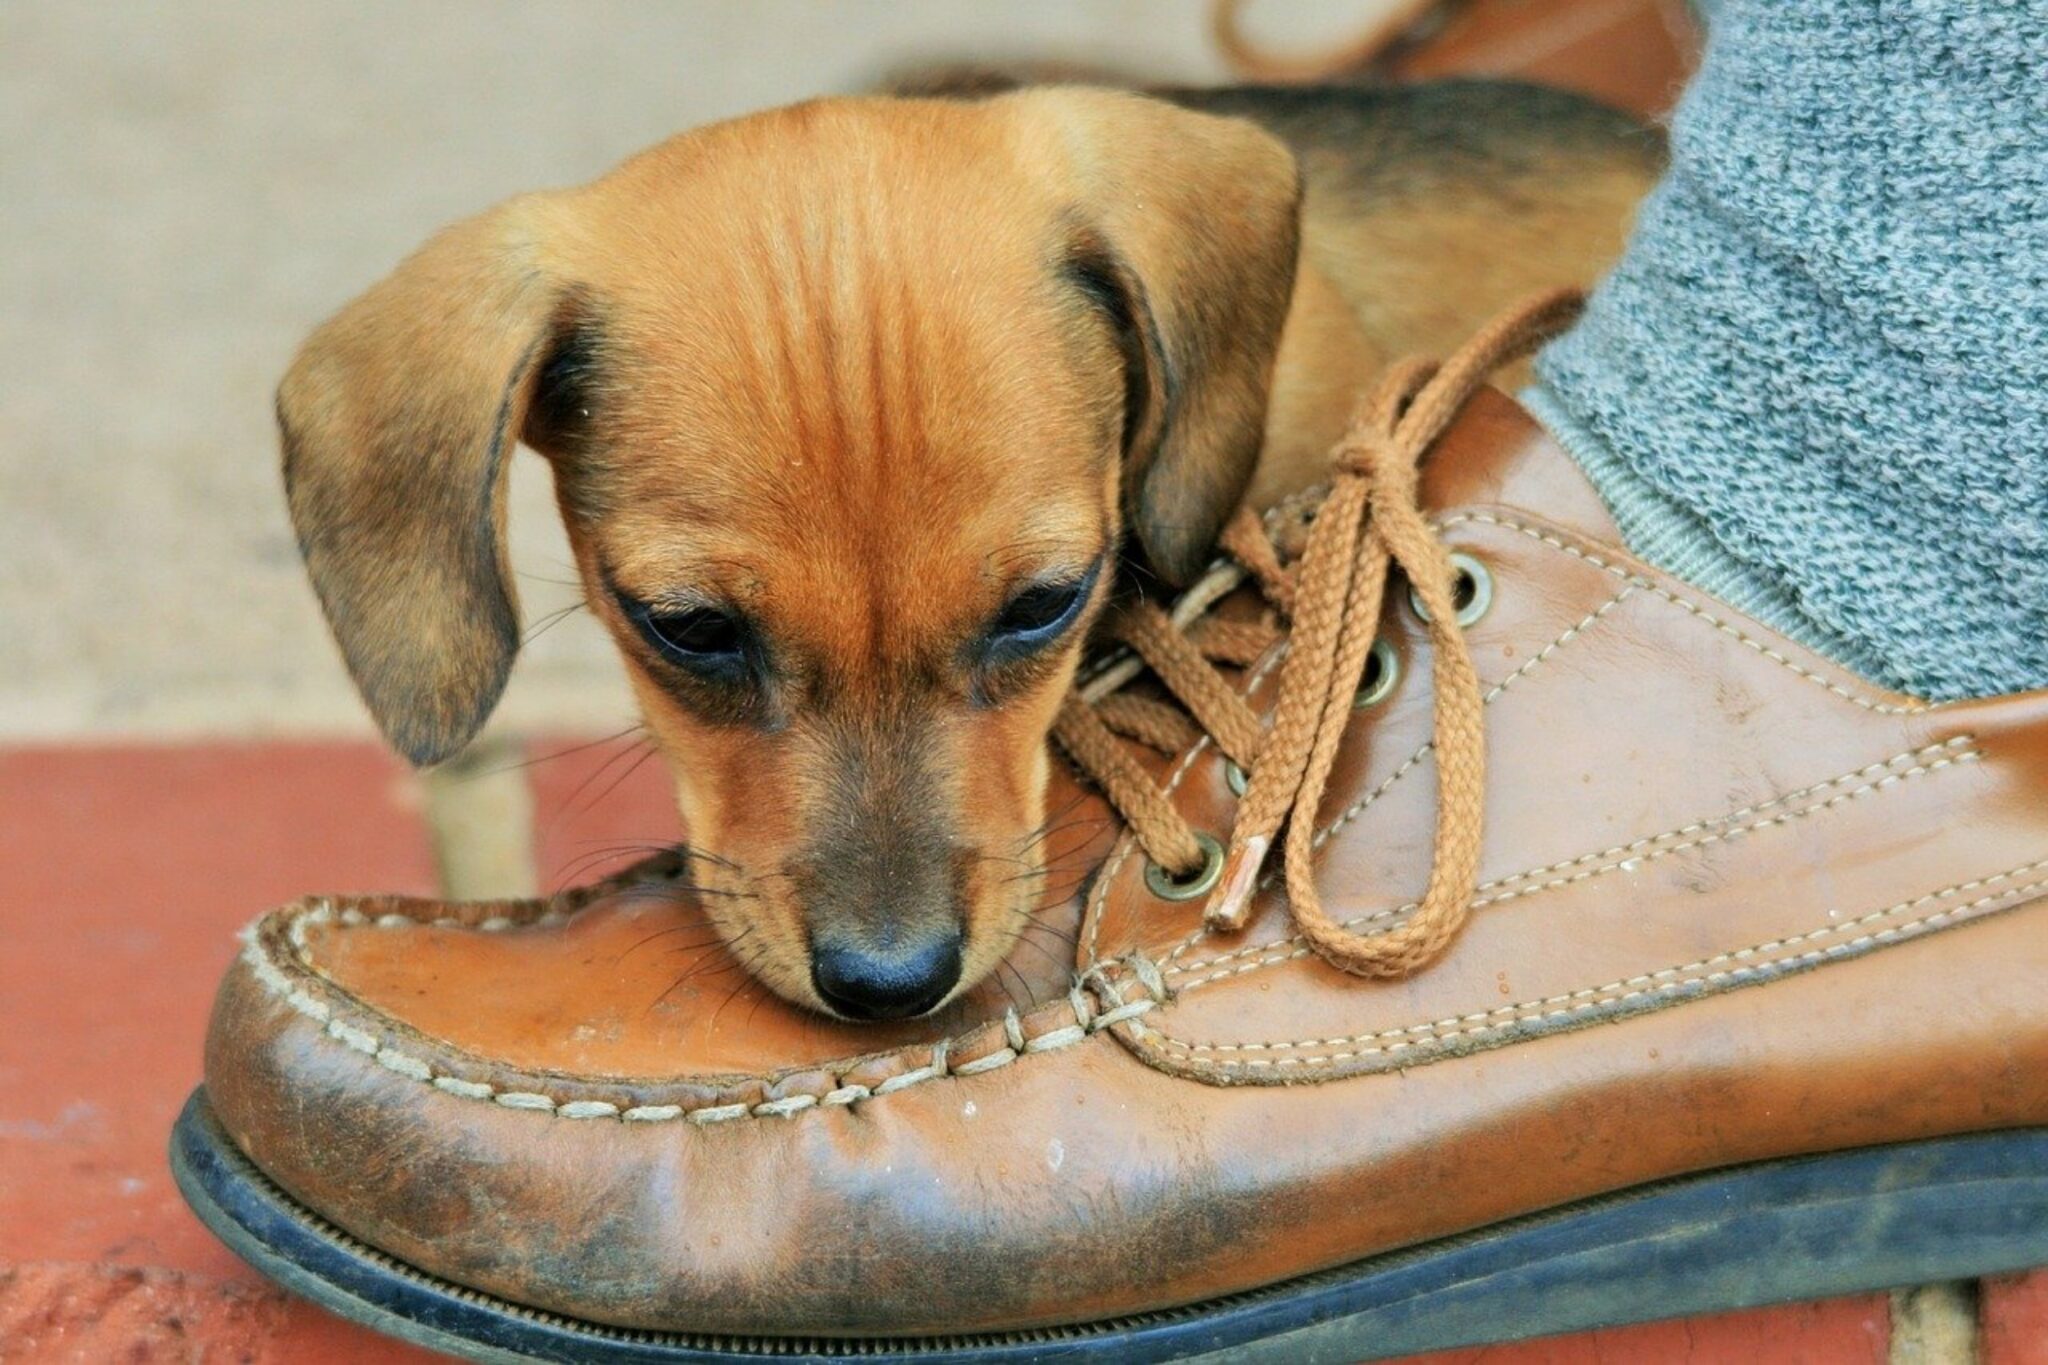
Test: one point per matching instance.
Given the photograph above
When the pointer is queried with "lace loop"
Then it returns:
(1246, 541)
(1214, 704)
(1370, 521)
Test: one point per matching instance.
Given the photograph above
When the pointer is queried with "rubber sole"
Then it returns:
(1779, 1231)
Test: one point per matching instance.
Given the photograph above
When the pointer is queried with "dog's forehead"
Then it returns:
(822, 198)
(870, 354)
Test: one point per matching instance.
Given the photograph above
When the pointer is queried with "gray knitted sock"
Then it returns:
(1816, 385)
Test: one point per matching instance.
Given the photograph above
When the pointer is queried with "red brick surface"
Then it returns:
(124, 874)
(2014, 1315)
(1834, 1332)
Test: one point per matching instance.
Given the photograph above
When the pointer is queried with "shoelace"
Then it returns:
(1369, 521)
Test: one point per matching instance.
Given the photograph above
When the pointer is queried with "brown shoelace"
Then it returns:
(1369, 520)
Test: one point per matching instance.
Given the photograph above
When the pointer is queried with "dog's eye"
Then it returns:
(702, 639)
(1039, 614)
(1040, 609)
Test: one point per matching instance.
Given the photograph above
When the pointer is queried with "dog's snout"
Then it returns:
(896, 982)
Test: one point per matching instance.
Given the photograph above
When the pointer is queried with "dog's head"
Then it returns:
(852, 407)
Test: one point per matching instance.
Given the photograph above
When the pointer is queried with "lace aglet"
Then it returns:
(1230, 905)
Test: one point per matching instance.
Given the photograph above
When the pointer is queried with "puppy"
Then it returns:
(856, 411)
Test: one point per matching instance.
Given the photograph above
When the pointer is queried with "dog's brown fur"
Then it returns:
(858, 371)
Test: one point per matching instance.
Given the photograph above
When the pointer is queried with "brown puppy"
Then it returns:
(854, 408)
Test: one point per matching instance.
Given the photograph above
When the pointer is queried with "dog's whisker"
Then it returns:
(664, 933)
(552, 755)
(695, 851)
(1050, 825)
(1029, 999)
(981, 857)
(568, 807)
(649, 750)
(580, 869)
(749, 978)
(672, 892)
(1065, 867)
(1065, 940)
(532, 577)
(651, 850)
(1048, 954)
(729, 962)
(1090, 822)
(1059, 883)
(1024, 916)
(549, 622)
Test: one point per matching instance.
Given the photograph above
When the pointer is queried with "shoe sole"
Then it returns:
(1776, 1231)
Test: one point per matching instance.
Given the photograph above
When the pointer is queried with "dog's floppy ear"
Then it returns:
(1190, 229)
(398, 420)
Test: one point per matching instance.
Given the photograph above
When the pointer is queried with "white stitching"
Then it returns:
(917, 1075)
(1052, 1040)
(1624, 857)
(1662, 981)
(717, 1113)
(1001, 1057)
(1122, 1012)
(273, 979)
(361, 1040)
(292, 924)
(652, 1113)
(588, 1109)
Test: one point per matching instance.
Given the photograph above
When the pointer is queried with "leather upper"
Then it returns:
(1806, 912)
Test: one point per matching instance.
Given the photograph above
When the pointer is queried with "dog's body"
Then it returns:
(855, 408)
(1425, 210)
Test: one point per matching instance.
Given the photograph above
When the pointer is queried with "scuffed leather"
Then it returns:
(1806, 914)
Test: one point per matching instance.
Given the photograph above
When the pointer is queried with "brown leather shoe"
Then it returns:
(1738, 998)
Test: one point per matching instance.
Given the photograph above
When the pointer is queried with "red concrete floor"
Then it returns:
(124, 875)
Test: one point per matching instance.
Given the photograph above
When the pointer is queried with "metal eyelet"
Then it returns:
(1472, 590)
(1235, 776)
(1168, 887)
(1382, 671)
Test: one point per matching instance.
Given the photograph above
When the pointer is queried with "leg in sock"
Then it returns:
(1816, 384)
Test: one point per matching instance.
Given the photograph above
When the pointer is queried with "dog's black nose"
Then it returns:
(890, 983)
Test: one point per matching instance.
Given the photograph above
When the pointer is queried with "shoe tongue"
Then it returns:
(1495, 454)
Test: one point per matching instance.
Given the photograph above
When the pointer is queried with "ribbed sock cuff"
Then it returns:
(1669, 535)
